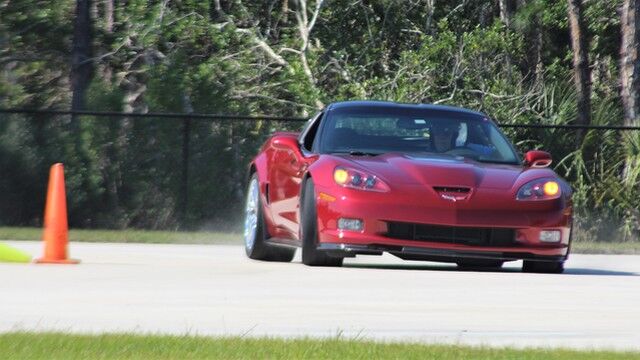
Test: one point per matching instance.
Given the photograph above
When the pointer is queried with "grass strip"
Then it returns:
(24, 345)
(211, 237)
(128, 236)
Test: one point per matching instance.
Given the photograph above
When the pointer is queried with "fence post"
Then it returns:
(184, 185)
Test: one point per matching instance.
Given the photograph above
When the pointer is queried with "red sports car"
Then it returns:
(421, 182)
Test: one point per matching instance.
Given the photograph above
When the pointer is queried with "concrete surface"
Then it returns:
(215, 290)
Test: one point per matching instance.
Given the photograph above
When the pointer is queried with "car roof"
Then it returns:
(391, 104)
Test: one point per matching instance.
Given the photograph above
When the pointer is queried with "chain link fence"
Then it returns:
(151, 171)
(187, 171)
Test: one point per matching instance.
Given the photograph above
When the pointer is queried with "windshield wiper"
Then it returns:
(490, 161)
(356, 153)
(362, 153)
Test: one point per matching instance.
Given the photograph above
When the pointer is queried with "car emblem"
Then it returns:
(449, 197)
(453, 197)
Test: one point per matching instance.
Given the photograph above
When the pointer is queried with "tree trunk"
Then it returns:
(105, 67)
(507, 8)
(538, 46)
(108, 16)
(630, 75)
(581, 71)
(81, 65)
(215, 11)
(630, 62)
(285, 11)
(81, 73)
(535, 42)
(430, 9)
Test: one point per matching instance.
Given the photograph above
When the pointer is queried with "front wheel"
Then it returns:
(547, 267)
(255, 232)
(309, 225)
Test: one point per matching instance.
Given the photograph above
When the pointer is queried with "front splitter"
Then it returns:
(427, 254)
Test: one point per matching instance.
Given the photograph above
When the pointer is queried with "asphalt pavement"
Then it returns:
(215, 290)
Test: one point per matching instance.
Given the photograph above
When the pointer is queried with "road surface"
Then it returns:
(215, 290)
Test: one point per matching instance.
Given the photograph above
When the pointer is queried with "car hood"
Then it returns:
(440, 170)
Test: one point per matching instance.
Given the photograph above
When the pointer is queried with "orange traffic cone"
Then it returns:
(56, 230)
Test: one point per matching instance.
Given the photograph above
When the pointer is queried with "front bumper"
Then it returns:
(431, 254)
(486, 210)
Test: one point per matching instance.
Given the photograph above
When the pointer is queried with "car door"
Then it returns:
(288, 169)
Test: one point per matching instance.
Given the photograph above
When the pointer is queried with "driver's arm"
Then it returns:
(480, 149)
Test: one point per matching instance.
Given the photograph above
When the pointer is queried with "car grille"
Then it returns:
(452, 234)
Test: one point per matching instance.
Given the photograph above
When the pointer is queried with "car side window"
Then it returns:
(310, 131)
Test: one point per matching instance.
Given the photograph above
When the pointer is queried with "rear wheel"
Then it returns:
(548, 267)
(255, 232)
(309, 226)
(479, 263)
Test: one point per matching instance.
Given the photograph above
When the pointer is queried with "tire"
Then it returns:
(255, 232)
(480, 263)
(309, 229)
(545, 267)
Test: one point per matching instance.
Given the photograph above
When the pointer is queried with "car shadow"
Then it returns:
(567, 271)
(444, 267)
(600, 272)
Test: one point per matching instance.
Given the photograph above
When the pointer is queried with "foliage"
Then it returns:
(289, 57)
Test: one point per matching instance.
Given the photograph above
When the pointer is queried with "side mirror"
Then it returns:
(537, 159)
(286, 142)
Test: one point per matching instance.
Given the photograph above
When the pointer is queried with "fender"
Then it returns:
(259, 165)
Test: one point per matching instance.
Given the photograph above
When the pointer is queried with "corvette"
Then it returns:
(421, 182)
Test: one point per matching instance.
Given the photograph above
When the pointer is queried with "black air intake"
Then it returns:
(452, 234)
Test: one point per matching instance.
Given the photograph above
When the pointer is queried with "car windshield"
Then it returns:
(370, 131)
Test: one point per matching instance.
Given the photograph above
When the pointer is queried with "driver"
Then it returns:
(449, 135)
(443, 134)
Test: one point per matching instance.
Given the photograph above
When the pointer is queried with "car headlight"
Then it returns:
(540, 189)
(355, 179)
